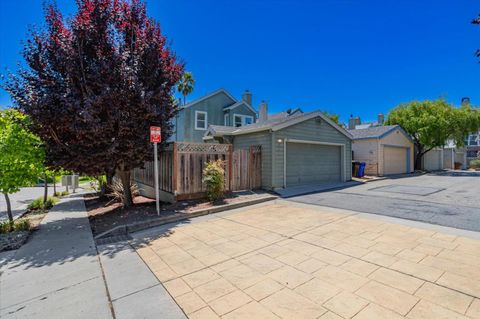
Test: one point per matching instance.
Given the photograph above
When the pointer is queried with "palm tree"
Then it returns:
(185, 86)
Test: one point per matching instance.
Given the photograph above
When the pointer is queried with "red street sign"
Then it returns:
(155, 134)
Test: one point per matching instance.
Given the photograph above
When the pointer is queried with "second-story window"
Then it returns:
(473, 140)
(200, 120)
(240, 120)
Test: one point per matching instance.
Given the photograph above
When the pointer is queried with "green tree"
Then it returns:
(432, 123)
(334, 117)
(185, 86)
(21, 154)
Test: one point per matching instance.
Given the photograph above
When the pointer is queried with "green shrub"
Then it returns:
(58, 194)
(475, 163)
(18, 225)
(39, 204)
(21, 224)
(214, 179)
(6, 227)
(36, 204)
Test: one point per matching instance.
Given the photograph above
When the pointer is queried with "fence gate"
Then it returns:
(247, 168)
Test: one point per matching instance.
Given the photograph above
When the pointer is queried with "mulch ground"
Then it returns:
(105, 215)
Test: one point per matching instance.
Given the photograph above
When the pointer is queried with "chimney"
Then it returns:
(351, 123)
(358, 121)
(381, 119)
(247, 97)
(262, 112)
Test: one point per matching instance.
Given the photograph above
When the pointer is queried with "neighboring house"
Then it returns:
(297, 148)
(386, 150)
(216, 108)
(472, 146)
(356, 122)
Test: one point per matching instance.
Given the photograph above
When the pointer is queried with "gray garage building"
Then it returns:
(297, 148)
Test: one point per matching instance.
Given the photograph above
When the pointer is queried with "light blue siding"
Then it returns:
(214, 106)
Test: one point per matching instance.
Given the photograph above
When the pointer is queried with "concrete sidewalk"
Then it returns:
(134, 290)
(57, 274)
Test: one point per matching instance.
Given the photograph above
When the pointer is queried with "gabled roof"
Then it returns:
(219, 91)
(376, 132)
(240, 103)
(220, 130)
(276, 123)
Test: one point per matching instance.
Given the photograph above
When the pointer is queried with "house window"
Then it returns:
(240, 120)
(473, 140)
(225, 119)
(200, 120)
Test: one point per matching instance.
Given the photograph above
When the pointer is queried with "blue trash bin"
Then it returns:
(361, 169)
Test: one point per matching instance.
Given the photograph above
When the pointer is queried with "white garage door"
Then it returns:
(313, 164)
(432, 160)
(394, 160)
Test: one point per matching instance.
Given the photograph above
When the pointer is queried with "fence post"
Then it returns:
(250, 167)
(174, 169)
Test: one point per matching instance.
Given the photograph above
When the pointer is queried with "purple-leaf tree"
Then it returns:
(93, 84)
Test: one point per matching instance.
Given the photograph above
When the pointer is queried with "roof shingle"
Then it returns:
(372, 132)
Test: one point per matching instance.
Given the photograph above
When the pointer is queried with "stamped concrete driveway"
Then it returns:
(288, 260)
(447, 198)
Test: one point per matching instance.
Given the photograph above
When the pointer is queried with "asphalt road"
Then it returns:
(21, 199)
(447, 199)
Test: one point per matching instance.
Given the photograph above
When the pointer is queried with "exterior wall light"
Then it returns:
(279, 140)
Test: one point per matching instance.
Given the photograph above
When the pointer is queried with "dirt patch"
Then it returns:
(105, 215)
(35, 217)
(14, 240)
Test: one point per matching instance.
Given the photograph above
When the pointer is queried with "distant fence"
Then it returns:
(181, 168)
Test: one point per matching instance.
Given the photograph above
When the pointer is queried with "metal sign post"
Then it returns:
(155, 138)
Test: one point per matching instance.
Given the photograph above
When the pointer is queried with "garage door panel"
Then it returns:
(312, 164)
(394, 160)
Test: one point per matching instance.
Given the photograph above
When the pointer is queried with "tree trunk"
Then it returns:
(9, 207)
(109, 175)
(127, 191)
(54, 185)
(418, 161)
(418, 151)
(45, 187)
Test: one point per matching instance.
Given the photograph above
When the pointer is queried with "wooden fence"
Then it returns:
(181, 166)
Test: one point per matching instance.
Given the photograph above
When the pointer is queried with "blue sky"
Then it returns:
(343, 56)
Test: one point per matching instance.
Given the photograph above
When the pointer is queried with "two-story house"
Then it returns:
(216, 108)
(472, 145)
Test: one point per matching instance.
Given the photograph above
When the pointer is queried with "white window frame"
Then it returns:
(243, 117)
(473, 140)
(225, 119)
(196, 120)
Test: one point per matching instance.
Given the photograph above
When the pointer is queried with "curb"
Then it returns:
(134, 227)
